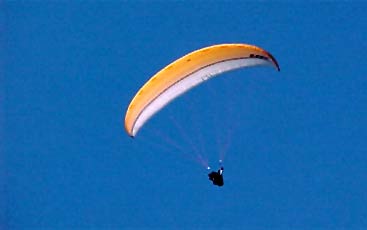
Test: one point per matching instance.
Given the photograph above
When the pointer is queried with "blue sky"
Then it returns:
(294, 141)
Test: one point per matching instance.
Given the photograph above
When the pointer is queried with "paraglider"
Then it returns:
(188, 72)
(217, 177)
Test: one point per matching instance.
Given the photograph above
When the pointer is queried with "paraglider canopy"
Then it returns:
(188, 72)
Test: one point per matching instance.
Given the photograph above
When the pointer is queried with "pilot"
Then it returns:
(217, 177)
